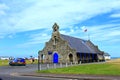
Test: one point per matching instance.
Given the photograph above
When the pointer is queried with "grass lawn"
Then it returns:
(3, 62)
(108, 68)
(29, 62)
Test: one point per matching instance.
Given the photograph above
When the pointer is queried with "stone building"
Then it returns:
(63, 48)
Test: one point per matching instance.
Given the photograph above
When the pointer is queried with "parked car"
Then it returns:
(17, 62)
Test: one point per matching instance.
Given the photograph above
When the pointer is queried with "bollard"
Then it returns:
(98, 61)
(61, 65)
(71, 63)
(54, 65)
(80, 62)
(40, 67)
(75, 63)
(66, 65)
(47, 66)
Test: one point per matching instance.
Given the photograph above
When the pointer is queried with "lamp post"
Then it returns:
(38, 62)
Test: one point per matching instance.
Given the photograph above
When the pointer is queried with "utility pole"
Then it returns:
(38, 62)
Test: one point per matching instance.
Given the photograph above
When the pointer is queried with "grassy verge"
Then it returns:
(109, 68)
(29, 62)
(3, 62)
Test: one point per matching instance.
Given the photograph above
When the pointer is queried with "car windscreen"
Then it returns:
(15, 60)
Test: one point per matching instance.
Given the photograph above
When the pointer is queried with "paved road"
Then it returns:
(9, 77)
(7, 71)
(23, 69)
(17, 69)
(10, 72)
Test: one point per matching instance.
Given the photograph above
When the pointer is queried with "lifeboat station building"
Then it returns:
(63, 48)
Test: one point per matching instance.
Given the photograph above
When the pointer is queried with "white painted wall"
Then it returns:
(107, 57)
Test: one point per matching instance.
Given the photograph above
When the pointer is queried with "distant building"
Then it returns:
(107, 56)
(63, 48)
(5, 58)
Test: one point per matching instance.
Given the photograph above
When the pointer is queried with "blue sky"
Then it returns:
(25, 25)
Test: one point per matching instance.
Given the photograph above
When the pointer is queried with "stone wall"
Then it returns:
(61, 47)
(57, 45)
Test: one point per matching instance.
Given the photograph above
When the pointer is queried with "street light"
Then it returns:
(38, 62)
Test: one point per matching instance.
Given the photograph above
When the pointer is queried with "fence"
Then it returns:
(54, 66)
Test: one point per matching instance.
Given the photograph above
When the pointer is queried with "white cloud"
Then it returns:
(41, 37)
(107, 32)
(2, 12)
(117, 15)
(83, 28)
(42, 14)
(3, 7)
(1, 37)
(63, 32)
(34, 39)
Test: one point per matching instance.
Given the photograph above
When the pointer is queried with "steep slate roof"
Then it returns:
(91, 45)
(79, 45)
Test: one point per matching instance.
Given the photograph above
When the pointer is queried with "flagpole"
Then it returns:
(88, 35)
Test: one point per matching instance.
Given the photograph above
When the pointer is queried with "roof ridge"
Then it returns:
(73, 37)
(78, 44)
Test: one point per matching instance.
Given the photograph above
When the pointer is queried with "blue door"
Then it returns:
(55, 58)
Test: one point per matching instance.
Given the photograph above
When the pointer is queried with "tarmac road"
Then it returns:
(9, 77)
(17, 69)
(21, 69)
(7, 71)
(11, 73)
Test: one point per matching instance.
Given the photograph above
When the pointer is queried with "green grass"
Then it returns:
(3, 62)
(29, 62)
(101, 69)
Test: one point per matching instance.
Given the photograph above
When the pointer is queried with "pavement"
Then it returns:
(73, 76)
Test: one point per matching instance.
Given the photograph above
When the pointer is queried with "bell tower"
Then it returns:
(55, 34)
(55, 27)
